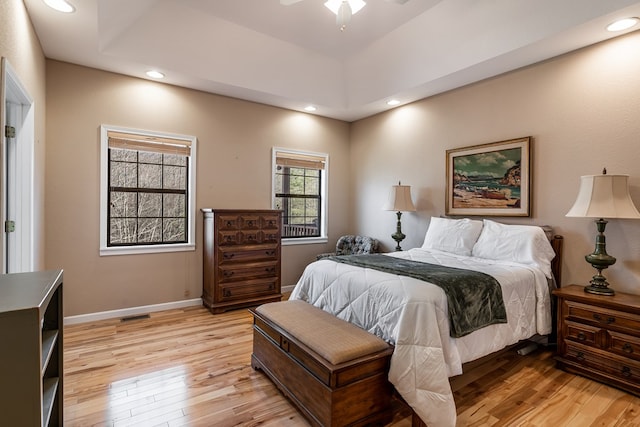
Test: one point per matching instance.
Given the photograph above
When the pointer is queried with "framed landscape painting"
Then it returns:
(490, 179)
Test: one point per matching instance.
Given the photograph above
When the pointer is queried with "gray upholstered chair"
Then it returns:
(353, 245)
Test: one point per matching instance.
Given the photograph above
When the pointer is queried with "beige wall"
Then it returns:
(583, 112)
(20, 45)
(233, 171)
(581, 109)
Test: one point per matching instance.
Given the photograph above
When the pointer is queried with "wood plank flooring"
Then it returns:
(190, 368)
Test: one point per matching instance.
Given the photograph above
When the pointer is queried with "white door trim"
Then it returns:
(18, 105)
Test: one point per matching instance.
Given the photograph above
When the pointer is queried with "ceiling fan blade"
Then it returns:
(288, 2)
(397, 1)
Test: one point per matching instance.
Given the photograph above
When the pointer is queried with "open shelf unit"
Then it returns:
(31, 324)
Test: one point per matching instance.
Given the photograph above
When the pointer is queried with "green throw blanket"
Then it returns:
(474, 298)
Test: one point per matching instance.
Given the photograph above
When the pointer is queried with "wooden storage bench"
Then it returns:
(333, 371)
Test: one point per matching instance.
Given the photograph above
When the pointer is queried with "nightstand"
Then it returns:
(599, 336)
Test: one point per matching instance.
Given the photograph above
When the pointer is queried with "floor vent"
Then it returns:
(137, 317)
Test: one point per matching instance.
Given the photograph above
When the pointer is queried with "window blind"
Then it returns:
(300, 160)
(164, 145)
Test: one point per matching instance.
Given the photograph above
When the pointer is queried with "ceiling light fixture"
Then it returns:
(622, 24)
(60, 5)
(155, 74)
(310, 108)
(344, 9)
(393, 102)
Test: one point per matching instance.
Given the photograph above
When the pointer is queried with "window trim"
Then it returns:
(190, 245)
(324, 199)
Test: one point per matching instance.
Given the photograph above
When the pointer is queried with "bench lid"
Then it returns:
(336, 340)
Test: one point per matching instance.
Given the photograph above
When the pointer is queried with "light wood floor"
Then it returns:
(190, 368)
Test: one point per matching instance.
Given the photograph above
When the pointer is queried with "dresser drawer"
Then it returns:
(611, 319)
(621, 368)
(270, 222)
(268, 236)
(250, 222)
(582, 333)
(249, 237)
(228, 237)
(227, 222)
(235, 272)
(248, 289)
(231, 254)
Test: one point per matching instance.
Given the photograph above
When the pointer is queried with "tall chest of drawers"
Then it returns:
(599, 336)
(241, 258)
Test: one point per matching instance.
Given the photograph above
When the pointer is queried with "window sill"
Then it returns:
(155, 249)
(304, 241)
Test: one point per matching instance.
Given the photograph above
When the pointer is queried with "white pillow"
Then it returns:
(452, 235)
(524, 244)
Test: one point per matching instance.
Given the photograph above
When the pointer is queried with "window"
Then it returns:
(148, 192)
(299, 190)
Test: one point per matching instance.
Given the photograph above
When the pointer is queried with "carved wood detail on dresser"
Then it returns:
(599, 336)
(241, 258)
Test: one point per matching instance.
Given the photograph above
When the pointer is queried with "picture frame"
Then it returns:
(489, 179)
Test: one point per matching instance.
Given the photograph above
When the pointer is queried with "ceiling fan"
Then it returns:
(343, 9)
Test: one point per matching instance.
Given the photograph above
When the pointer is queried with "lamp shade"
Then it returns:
(604, 196)
(400, 199)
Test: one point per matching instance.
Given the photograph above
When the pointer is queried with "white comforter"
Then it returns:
(412, 315)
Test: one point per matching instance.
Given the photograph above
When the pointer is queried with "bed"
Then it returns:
(414, 316)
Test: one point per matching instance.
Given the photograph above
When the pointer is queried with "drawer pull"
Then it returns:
(227, 273)
(270, 253)
(580, 356)
(270, 269)
(228, 256)
(229, 223)
(581, 336)
(250, 223)
(626, 371)
(609, 319)
(250, 238)
(226, 293)
(229, 238)
(627, 348)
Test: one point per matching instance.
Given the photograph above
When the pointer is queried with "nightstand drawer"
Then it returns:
(582, 333)
(608, 364)
(603, 317)
(625, 345)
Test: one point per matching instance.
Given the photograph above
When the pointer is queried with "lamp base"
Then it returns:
(599, 290)
(398, 236)
(600, 260)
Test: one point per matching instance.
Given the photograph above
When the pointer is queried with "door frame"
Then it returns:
(18, 252)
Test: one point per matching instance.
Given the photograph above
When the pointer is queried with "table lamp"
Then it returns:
(602, 196)
(399, 201)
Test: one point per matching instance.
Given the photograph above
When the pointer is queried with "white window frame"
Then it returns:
(190, 245)
(324, 196)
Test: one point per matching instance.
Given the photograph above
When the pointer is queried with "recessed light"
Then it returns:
(393, 102)
(155, 74)
(60, 5)
(310, 108)
(622, 24)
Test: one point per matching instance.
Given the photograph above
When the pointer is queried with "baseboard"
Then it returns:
(287, 288)
(133, 311)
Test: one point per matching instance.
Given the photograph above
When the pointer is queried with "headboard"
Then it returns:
(556, 264)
